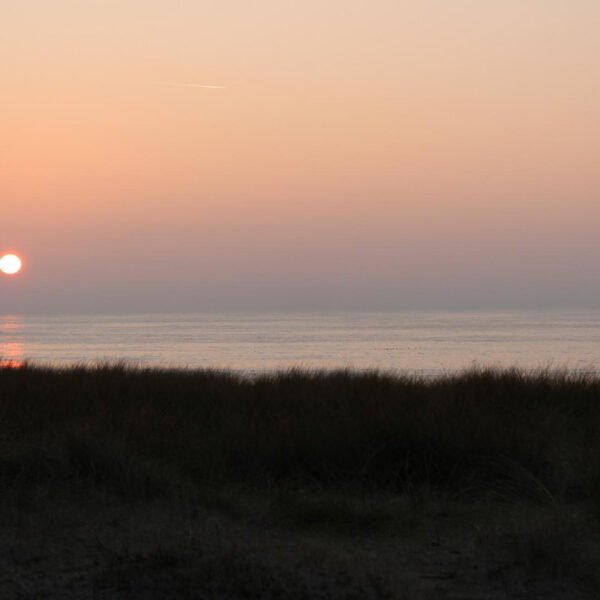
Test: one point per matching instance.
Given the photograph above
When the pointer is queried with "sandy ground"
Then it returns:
(87, 543)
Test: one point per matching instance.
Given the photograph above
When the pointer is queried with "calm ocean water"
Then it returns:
(424, 342)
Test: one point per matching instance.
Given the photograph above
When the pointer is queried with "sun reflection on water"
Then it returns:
(12, 349)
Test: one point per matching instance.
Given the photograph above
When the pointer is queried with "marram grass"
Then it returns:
(477, 430)
(122, 482)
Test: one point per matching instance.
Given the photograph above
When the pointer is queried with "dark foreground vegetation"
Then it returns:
(117, 482)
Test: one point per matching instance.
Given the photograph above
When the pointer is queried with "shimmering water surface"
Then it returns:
(424, 342)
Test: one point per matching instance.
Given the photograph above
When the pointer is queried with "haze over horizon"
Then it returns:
(300, 156)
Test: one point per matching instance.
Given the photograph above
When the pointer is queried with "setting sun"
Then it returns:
(10, 264)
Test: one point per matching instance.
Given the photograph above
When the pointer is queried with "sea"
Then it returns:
(416, 342)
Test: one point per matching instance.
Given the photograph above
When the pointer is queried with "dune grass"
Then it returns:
(366, 431)
(508, 461)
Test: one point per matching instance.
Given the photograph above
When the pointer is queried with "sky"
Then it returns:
(350, 155)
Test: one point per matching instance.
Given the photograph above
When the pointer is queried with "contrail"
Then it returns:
(197, 85)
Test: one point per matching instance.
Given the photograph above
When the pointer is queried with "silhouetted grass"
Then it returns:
(482, 429)
(500, 469)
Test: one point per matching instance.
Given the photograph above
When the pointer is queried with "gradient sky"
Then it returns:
(379, 154)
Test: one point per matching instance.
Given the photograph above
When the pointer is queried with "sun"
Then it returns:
(10, 264)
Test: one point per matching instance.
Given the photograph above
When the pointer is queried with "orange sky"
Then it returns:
(376, 154)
